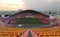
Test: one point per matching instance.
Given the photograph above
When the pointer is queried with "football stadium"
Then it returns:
(29, 18)
(29, 23)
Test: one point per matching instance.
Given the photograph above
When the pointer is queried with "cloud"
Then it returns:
(51, 1)
(33, 4)
(12, 4)
(47, 5)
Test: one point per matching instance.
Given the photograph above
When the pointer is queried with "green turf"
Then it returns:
(29, 21)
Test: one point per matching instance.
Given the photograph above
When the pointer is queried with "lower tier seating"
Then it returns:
(41, 32)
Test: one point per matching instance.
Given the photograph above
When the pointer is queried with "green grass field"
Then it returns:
(29, 21)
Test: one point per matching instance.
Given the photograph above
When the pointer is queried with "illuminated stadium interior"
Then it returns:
(29, 19)
(28, 22)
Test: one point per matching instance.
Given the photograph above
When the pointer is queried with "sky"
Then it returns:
(40, 5)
